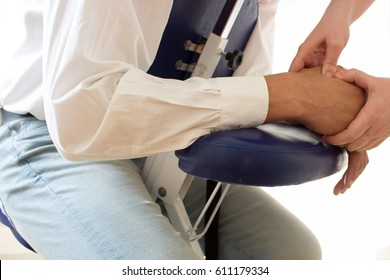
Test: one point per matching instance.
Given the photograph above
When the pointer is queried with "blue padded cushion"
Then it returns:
(270, 155)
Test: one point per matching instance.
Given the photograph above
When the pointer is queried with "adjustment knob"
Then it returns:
(234, 59)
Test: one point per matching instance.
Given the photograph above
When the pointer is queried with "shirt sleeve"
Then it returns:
(101, 104)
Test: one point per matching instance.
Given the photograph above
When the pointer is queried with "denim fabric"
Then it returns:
(102, 210)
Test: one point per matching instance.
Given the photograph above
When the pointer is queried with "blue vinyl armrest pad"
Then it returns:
(270, 155)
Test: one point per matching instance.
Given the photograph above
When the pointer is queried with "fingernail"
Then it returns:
(328, 74)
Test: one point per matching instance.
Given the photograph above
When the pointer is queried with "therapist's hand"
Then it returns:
(372, 124)
(357, 162)
(324, 44)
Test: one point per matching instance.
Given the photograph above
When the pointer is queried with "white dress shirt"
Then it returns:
(81, 66)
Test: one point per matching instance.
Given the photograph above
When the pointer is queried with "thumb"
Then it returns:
(329, 66)
(355, 76)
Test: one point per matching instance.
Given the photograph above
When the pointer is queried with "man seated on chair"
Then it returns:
(80, 112)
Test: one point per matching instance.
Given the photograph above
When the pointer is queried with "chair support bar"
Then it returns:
(192, 235)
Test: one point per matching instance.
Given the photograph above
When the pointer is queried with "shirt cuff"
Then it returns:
(245, 102)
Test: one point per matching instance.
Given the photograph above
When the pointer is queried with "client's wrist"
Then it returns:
(285, 97)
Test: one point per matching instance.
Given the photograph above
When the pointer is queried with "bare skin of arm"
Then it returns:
(323, 104)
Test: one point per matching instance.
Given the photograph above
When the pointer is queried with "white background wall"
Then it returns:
(355, 225)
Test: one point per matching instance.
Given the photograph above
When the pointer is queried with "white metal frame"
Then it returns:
(166, 181)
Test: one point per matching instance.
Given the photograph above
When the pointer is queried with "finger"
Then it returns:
(307, 56)
(373, 143)
(340, 187)
(352, 133)
(355, 76)
(356, 164)
(359, 126)
(333, 52)
(329, 69)
(362, 143)
(297, 64)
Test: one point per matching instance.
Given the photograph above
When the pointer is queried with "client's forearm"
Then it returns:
(284, 103)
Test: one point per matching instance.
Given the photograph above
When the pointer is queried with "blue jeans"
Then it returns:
(102, 209)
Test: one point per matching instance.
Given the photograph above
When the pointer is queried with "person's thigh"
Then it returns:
(253, 225)
(79, 210)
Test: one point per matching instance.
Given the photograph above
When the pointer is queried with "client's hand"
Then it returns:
(324, 105)
(329, 104)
